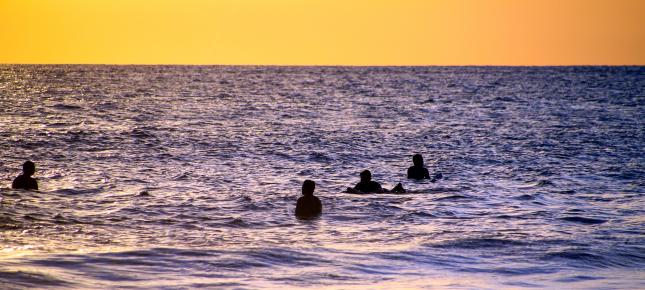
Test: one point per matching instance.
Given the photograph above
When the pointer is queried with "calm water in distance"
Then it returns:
(544, 177)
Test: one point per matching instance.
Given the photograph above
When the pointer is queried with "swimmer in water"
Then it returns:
(368, 186)
(419, 172)
(308, 205)
(25, 181)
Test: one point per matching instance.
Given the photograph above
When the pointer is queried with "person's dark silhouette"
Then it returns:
(25, 181)
(308, 205)
(368, 186)
(418, 171)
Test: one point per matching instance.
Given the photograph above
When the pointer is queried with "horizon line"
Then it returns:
(337, 65)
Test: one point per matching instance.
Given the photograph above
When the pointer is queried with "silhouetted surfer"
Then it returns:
(308, 205)
(25, 181)
(419, 172)
(368, 186)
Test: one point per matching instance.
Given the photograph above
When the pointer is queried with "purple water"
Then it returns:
(544, 177)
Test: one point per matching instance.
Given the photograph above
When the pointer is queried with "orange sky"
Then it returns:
(324, 32)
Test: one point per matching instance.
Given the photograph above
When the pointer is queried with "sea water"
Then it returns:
(187, 177)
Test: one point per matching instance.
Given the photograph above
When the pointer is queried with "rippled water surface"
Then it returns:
(544, 177)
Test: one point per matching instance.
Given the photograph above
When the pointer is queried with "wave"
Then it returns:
(579, 257)
(478, 243)
(454, 197)
(66, 107)
(583, 220)
(21, 279)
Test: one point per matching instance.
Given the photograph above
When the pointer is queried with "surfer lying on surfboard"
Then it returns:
(368, 186)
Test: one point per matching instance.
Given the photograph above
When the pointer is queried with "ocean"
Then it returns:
(182, 177)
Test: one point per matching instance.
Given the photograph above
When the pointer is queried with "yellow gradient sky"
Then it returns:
(324, 32)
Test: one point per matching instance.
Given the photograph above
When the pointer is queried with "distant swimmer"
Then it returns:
(308, 205)
(368, 186)
(25, 181)
(419, 172)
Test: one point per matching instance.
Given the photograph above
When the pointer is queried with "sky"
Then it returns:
(323, 32)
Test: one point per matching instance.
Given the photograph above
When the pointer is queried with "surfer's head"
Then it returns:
(308, 187)
(366, 176)
(28, 168)
(417, 159)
